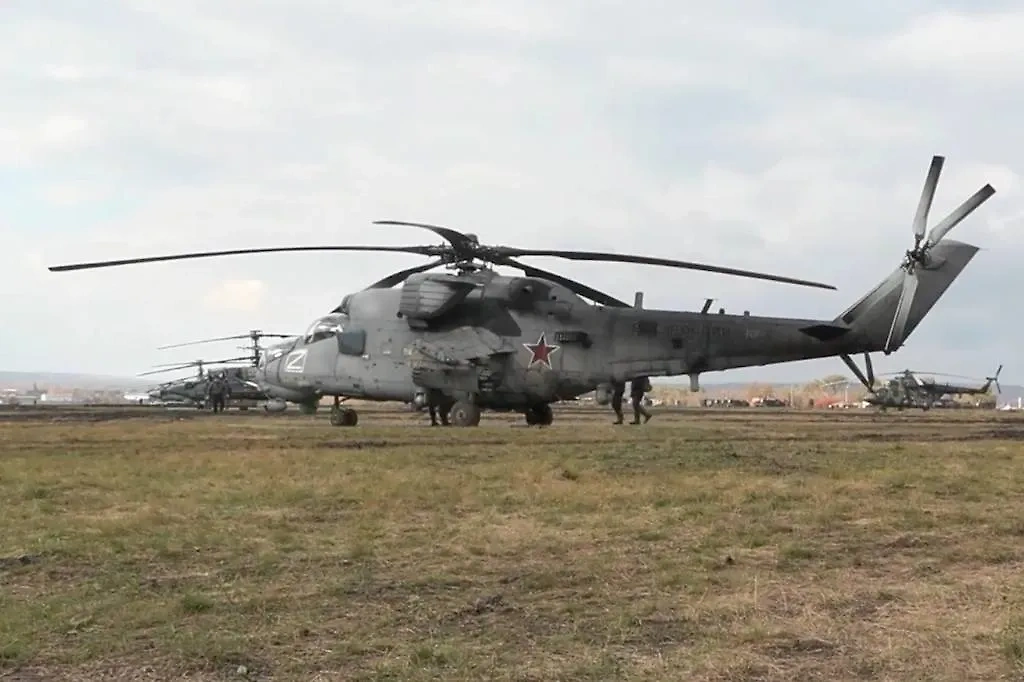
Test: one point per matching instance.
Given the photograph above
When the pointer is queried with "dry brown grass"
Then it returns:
(704, 546)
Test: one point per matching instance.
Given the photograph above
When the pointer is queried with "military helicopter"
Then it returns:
(240, 379)
(907, 390)
(192, 390)
(474, 339)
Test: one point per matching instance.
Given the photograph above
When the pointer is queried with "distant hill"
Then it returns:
(25, 380)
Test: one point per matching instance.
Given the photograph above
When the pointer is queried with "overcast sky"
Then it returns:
(790, 137)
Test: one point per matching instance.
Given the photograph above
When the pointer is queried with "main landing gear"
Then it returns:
(343, 416)
(539, 415)
(464, 413)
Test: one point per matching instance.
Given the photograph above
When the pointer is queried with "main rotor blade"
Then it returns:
(166, 369)
(195, 343)
(927, 195)
(903, 306)
(401, 275)
(948, 376)
(621, 258)
(422, 250)
(194, 363)
(226, 338)
(454, 237)
(961, 212)
(572, 285)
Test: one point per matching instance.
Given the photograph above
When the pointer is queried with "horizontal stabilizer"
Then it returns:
(825, 332)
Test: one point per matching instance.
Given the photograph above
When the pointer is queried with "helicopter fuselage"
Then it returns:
(557, 348)
(194, 389)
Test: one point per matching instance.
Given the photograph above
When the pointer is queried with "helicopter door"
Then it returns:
(353, 364)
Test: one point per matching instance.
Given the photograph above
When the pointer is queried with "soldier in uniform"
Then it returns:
(620, 390)
(638, 387)
(437, 402)
(433, 415)
(218, 391)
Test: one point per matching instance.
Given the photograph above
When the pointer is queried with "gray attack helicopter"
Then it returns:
(240, 379)
(906, 389)
(473, 339)
(192, 390)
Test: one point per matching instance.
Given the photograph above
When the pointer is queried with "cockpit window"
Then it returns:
(326, 327)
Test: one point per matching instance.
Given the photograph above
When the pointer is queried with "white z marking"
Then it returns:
(296, 361)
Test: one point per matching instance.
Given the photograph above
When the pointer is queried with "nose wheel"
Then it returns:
(540, 415)
(343, 416)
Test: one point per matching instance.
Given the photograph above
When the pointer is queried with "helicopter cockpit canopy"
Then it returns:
(326, 327)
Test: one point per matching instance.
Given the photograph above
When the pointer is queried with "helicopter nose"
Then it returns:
(154, 394)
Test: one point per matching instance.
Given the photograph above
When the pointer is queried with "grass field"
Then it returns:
(722, 545)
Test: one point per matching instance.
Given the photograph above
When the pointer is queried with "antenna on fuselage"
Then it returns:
(638, 300)
(707, 305)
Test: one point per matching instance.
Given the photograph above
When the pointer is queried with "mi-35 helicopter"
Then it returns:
(906, 389)
(475, 339)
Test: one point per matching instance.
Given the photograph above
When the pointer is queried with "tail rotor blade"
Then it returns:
(961, 212)
(927, 195)
(897, 332)
(868, 384)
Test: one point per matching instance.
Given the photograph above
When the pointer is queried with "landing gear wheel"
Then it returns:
(465, 414)
(540, 415)
(344, 416)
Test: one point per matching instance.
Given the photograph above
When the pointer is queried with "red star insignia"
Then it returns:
(540, 352)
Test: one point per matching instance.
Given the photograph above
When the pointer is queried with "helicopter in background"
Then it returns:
(907, 389)
(241, 379)
(192, 390)
(474, 339)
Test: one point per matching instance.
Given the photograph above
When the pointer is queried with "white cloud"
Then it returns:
(826, 124)
(234, 295)
(962, 43)
(786, 140)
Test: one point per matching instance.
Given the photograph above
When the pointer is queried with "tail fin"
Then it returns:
(890, 312)
(876, 314)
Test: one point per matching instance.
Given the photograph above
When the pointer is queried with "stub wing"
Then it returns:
(462, 345)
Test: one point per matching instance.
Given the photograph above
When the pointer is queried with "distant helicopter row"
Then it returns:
(474, 339)
(243, 391)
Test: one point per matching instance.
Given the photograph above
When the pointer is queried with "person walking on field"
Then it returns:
(617, 394)
(638, 387)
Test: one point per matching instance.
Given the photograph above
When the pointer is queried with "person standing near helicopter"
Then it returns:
(218, 391)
